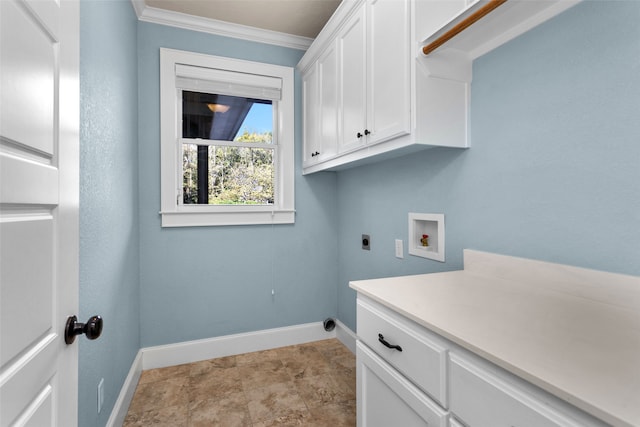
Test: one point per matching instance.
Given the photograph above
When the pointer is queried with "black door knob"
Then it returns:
(359, 135)
(92, 329)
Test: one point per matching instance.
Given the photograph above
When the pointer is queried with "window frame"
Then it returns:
(175, 214)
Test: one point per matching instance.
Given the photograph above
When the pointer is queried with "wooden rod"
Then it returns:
(462, 25)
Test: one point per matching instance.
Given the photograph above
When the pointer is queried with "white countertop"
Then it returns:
(573, 332)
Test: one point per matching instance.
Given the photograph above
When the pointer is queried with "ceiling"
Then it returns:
(304, 18)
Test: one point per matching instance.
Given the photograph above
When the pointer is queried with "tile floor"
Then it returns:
(311, 384)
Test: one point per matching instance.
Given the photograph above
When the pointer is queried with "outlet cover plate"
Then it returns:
(399, 249)
(100, 394)
(366, 242)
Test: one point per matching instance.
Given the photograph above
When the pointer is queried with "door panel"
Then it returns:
(19, 168)
(27, 258)
(328, 79)
(28, 79)
(41, 411)
(39, 62)
(27, 378)
(388, 71)
(353, 85)
(311, 108)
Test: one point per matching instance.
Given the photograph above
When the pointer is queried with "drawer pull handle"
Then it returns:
(386, 344)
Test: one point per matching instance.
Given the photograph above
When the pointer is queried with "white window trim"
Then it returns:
(177, 215)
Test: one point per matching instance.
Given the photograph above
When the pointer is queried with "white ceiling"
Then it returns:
(304, 18)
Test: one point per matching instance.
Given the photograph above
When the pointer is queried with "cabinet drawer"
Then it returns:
(481, 397)
(385, 398)
(423, 358)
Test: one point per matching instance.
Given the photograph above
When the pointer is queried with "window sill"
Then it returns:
(209, 218)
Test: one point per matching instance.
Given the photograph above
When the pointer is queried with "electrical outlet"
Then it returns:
(399, 249)
(100, 394)
(366, 242)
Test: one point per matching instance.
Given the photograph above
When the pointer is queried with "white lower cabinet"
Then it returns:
(387, 399)
(409, 376)
(483, 395)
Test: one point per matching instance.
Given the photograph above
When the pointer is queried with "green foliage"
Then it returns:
(237, 175)
(265, 138)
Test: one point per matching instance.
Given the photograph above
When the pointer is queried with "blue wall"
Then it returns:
(202, 282)
(553, 172)
(109, 249)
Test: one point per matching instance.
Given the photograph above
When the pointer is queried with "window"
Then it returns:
(227, 141)
(227, 150)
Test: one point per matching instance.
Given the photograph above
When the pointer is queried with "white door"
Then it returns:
(39, 128)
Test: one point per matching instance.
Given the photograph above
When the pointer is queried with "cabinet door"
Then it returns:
(351, 45)
(385, 398)
(388, 70)
(480, 396)
(311, 116)
(328, 88)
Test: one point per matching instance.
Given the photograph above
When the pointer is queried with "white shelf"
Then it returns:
(508, 21)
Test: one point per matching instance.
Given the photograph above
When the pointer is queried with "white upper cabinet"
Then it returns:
(374, 74)
(375, 103)
(377, 95)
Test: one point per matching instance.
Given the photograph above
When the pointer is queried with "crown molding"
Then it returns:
(221, 28)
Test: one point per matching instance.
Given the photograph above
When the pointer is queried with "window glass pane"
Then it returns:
(228, 175)
(226, 118)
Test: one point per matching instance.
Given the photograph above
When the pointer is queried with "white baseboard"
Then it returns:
(119, 412)
(229, 345)
(346, 336)
(211, 348)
